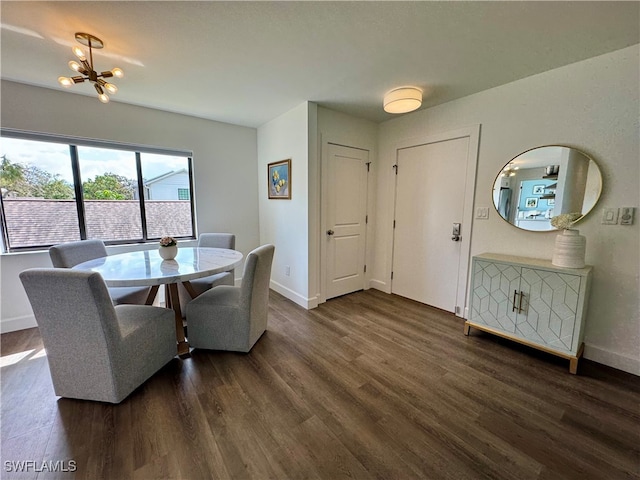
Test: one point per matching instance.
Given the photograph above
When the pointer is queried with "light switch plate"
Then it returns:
(610, 216)
(626, 215)
(482, 213)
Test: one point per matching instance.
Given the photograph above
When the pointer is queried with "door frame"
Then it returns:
(473, 133)
(322, 297)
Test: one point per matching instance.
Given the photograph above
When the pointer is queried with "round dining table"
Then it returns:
(147, 268)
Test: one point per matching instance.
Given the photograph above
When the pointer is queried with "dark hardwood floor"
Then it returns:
(366, 386)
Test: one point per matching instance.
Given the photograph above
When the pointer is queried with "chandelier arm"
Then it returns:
(90, 53)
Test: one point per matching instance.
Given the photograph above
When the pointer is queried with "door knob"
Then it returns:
(330, 232)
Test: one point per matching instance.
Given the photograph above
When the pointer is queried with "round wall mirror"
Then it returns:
(544, 182)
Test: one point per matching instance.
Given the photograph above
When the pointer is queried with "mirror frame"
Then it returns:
(505, 168)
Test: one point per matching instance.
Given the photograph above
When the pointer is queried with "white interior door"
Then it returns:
(430, 198)
(345, 187)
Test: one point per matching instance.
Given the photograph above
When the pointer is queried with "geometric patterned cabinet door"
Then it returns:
(530, 301)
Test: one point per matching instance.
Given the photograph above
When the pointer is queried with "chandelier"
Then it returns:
(86, 71)
(509, 170)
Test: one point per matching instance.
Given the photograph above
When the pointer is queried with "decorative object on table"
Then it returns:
(570, 246)
(279, 179)
(168, 248)
(86, 70)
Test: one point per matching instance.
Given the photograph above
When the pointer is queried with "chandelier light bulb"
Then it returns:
(78, 52)
(103, 97)
(65, 81)
(111, 88)
(75, 66)
(117, 72)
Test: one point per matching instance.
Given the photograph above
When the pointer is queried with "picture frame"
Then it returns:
(531, 202)
(551, 202)
(538, 189)
(279, 180)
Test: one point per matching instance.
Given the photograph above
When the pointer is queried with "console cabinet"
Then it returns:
(530, 301)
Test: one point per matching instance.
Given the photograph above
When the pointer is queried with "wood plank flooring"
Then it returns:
(366, 386)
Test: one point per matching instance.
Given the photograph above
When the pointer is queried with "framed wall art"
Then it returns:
(531, 202)
(279, 180)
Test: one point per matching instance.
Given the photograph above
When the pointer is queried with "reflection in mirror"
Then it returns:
(544, 182)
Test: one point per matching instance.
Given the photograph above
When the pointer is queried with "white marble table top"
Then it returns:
(134, 269)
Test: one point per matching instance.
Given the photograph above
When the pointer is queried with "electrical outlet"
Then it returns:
(287, 270)
(626, 215)
(609, 216)
(482, 213)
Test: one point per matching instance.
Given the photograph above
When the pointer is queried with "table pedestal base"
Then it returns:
(172, 301)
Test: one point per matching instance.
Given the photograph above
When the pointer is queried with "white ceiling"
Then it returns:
(247, 62)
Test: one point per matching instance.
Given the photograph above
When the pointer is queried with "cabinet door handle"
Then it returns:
(515, 294)
(520, 303)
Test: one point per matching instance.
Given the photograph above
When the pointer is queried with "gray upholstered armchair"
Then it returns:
(201, 285)
(96, 351)
(234, 318)
(68, 255)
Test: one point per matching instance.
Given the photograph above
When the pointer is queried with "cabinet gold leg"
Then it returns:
(573, 361)
(573, 365)
(467, 328)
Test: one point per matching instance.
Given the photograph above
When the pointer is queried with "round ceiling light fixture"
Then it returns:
(402, 100)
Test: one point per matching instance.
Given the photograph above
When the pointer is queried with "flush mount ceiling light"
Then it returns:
(86, 71)
(403, 100)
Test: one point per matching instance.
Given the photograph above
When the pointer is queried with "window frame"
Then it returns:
(74, 143)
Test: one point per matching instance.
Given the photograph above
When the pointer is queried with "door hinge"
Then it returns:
(368, 164)
(395, 167)
(365, 269)
(366, 219)
(394, 224)
(391, 275)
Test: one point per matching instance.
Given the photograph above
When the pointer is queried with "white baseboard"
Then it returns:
(379, 285)
(17, 323)
(612, 359)
(295, 297)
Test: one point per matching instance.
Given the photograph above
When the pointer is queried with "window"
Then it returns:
(60, 189)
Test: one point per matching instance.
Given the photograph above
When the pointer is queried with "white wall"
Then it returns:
(591, 105)
(285, 223)
(225, 158)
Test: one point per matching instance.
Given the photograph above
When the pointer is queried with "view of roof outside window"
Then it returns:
(39, 194)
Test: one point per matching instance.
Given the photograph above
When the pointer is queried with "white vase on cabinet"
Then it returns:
(570, 248)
